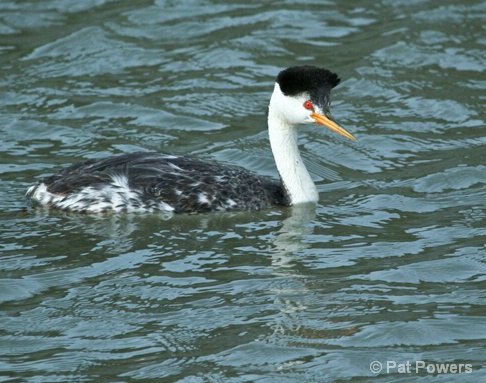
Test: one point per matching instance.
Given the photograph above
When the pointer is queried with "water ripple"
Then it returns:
(389, 266)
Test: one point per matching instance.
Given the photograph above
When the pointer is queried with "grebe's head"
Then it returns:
(302, 95)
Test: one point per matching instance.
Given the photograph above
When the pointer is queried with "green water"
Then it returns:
(390, 267)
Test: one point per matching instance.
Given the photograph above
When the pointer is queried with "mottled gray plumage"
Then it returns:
(185, 184)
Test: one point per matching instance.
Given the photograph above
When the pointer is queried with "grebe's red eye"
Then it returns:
(308, 105)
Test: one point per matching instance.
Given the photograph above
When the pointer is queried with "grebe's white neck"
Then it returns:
(282, 130)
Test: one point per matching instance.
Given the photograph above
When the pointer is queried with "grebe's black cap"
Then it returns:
(315, 81)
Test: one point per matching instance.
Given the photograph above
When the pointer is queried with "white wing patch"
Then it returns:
(116, 196)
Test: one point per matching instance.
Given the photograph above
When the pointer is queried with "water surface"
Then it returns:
(389, 267)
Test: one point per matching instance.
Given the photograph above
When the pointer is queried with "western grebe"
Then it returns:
(156, 182)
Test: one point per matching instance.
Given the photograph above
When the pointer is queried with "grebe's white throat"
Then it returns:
(282, 131)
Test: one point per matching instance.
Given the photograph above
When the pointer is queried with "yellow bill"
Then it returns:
(328, 123)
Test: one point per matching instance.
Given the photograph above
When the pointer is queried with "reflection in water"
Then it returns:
(290, 237)
(288, 244)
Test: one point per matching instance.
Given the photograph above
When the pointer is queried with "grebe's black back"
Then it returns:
(151, 182)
